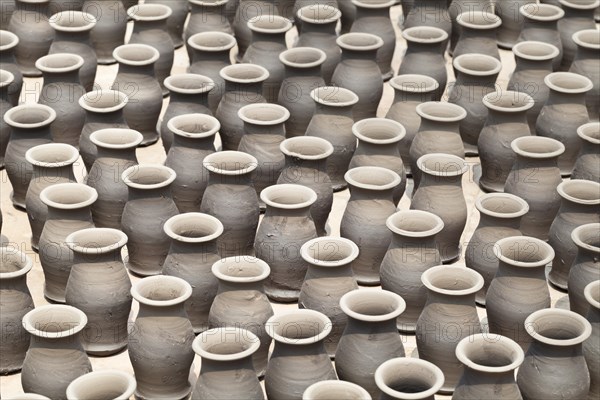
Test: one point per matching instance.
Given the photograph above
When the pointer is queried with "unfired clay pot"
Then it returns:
(110, 28)
(586, 63)
(587, 165)
(406, 378)
(207, 16)
(477, 34)
(457, 7)
(585, 268)
(429, 13)
(176, 20)
(107, 383)
(8, 43)
(333, 389)
(540, 24)
(591, 347)
(512, 22)
(579, 15)
(6, 85)
(247, 10)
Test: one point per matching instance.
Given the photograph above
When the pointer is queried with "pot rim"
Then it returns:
(517, 356)
(553, 51)
(94, 138)
(396, 363)
(439, 224)
(570, 4)
(453, 270)
(507, 196)
(59, 187)
(563, 187)
(74, 66)
(196, 117)
(218, 228)
(288, 188)
(540, 139)
(90, 20)
(186, 291)
(520, 97)
(313, 391)
(235, 261)
(408, 35)
(431, 84)
(86, 103)
(73, 155)
(334, 14)
(497, 21)
(328, 147)
(89, 379)
(226, 332)
(242, 114)
(399, 130)
(341, 41)
(230, 44)
(8, 116)
(460, 112)
(456, 63)
(396, 179)
(363, 4)
(286, 24)
(322, 57)
(582, 132)
(250, 165)
(6, 78)
(162, 12)
(353, 97)
(25, 262)
(225, 73)
(126, 176)
(132, 47)
(399, 304)
(589, 296)
(586, 83)
(532, 321)
(576, 236)
(526, 241)
(449, 158)
(530, 12)
(306, 256)
(74, 244)
(73, 330)
(588, 45)
(207, 83)
(13, 40)
(272, 322)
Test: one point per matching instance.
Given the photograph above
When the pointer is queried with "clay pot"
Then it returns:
(587, 165)
(207, 16)
(584, 269)
(590, 346)
(477, 34)
(533, 64)
(554, 366)
(579, 15)
(425, 55)
(499, 217)
(409, 91)
(348, 10)
(247, 10)
(103, 110)
(363, 222)
(61, 91)
(328, 278)
(413, 250)
(316, 6)
(540, 24)
(148, 207)
(506, 120)
(29, 21)
(8, 43)
(370, 338)
(226, 370)
(6, 83)
(268, 42)
(241, 302)
(512, 22)
(359, 52)
(306, 164)
(378, 147)
(243, 86)
(231, 9)
(150, 28)
(302, 75)
(211, 52)
(231, 198)
(55, 350)
(175, 22)
(519, 287)
(429, 13)
(8, 7)
(409, 379)
(586, 64)
(30, 126)
(116, 153)
(326, 390)
(534, 178)
(136, 78)
(192, 253)
(489, 368)
(109, 383)
(52, 163)
(264, 130)
(563, 113)
(449, 316)
(457, 7)
(332, 121)
(299, 358)
(68, 211)
(16, 302)
(72, 30)
(109, 31)
(100, 287)
(160, 341)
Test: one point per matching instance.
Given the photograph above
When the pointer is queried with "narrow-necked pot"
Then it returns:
(586, 63)
(591, 350)
(334, 389)
(108, 383)
(457, 7)
(109, 31)
(207, 16)
(8, 44)
(428, 13)
(406, 378)
(176, 21)
(247, 10)
(586, 266)
(512, 22)
(540, 24)
(587, 165)
(477, 34)
(579, 15)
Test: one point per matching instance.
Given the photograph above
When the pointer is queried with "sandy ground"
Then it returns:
(16, 226)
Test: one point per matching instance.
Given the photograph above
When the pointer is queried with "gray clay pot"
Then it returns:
(176, 20)
(587, 165)
(477, 34)
(512, 22)
(540, 24)
(584, 269)
(8, 43)
(579, 15)
(247, 10)
(591, 347)
(586, 63)
(110, 28)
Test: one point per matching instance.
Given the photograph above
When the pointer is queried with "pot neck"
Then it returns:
(175, 310)
(486, 220)
(540, 25)
(147, 70)
(578, 14)
(255, 129)
(215, 178)
(468, 80)
(420, 47)
(201, 56)
(40, 132)
(224, 366)
(71, 342)
(403, 96)
(54, 174)
(337, 271)
(334, 110)
(367, 12)
(75, 214)
(208, 9)
(327, 29)
(474, 376)
(366, 56)
(119, 154)
(375, 327)
(303, 212)
(524, 64)
(507, 269)
(444, 127)
(453, 182)
(227, 286)
(299, 349)
(271, 38)
(201, 251)
(541, 351)
(357, 193)
(456, 302)
(375, 149)
(113, 117)
(69, 77)
(305, 72)
(423, 243)
(136, 193)
(100, 260)
(575, 209)
(204, 143)
(143, 26)
(524, 162)
(585, 53)
(560, 98)
(292, 163)
(500, 116)
(246, 92)
(189, 98)
(73, 37)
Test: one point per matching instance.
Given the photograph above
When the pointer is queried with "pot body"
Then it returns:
(426, 59)
(584, 270)
(477, 41)
(176, 20)
(228, 379)
(574, 20)
(542, 31)
(78, 43)
(209, 63)
(512, 21)
(461, 6)
(429, 13)
(208, 18)
(264, 50)
(9, 63)
(247, 10)
(587, 63)
(475, 385)
(180, 104)
(591, 352)
(110, 28)
(587, 165)
(322, 37)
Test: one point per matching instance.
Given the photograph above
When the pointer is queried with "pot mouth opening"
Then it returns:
(587, 38)
(379, 131)
(54, 321)
(587, 237)
(244, 73)
(288, 196)
(330, 389)
(424, 34)
(508, 101)
(193, 228)
(537, 147)
(306, 148)
(329, 251)
(246, 269)
(535, 51)
(149, 12)
(68, 196)
(116, 138)
(102, 384)
(479, 20)
(558, 327)
(334, 96)
(359, 41)
(440, 164)
(148, 176)
(541, 12)
(212, 41)
(59, 63)
(568, 82)
(372, 305)
(303, 57)
(161, 291)
(409, 378)
(13, 263)
(415, 223)
(264, 114)
(523, 251)
(189, 83)
(590, 132)
(52, 155)
(372, 178)
(490, 353)
(96, 240)
(269, 24)
(72, 21)
(103, 101)
(226, 344)
(299, 327)
(452, 280)
(580, 4)
(136, 54)
(194, 126)
(8, 40)
(441, 112)
(580, 191)
(592, 294)
(230, 163)
(319, 14)
(414, 83)
(502, 205)
(30, 116)
(477, 65)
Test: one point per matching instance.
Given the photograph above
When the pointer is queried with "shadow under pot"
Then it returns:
(406, 378)
(587, 165)
(110, 383)
(584, 269)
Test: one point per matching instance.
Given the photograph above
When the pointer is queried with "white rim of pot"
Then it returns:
(577, 235)
(67, 155)
(556, 81)
(269, 24)
(508, 101)
(23, 260)
(334, 96)
(566, 318)
(96, 240)
(8, 40)
(90, 100)
(585, 131)
(26, 110)
(592, 294)
(259, 74)
(189, 83)
(6, 78)
(116, 138)
(103, 379)
(206, 124)
(541, 12)
(188, 221)
(414, 83)
(276, 323)
(448, 160)
(436, 224)
(326, 243)
(525, 245)
(525, 50)
(149, 12)
(565, 190)
(473, 278)
(246, 163)
(369, 126)
(330, 14)
(272, 195)
(481, 20)
(357, 41)
(492, 67)
(481, 341)
(203, 41)
(121, 54)
(374, 5)
(167, 174)
(68, 62)
(518, 144)
(397, 364)
(289, 147)
(162, 282)
(587, 38)
(76, 322)
(76, 21)
(579, 6)
(318, 56)
(372, 297)
(248, 342)
(335, 389)
(424, 34)
(265, 114)
(236, 264)
(393, 179)
(65, 189)
(523, 206)
(441, 112)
